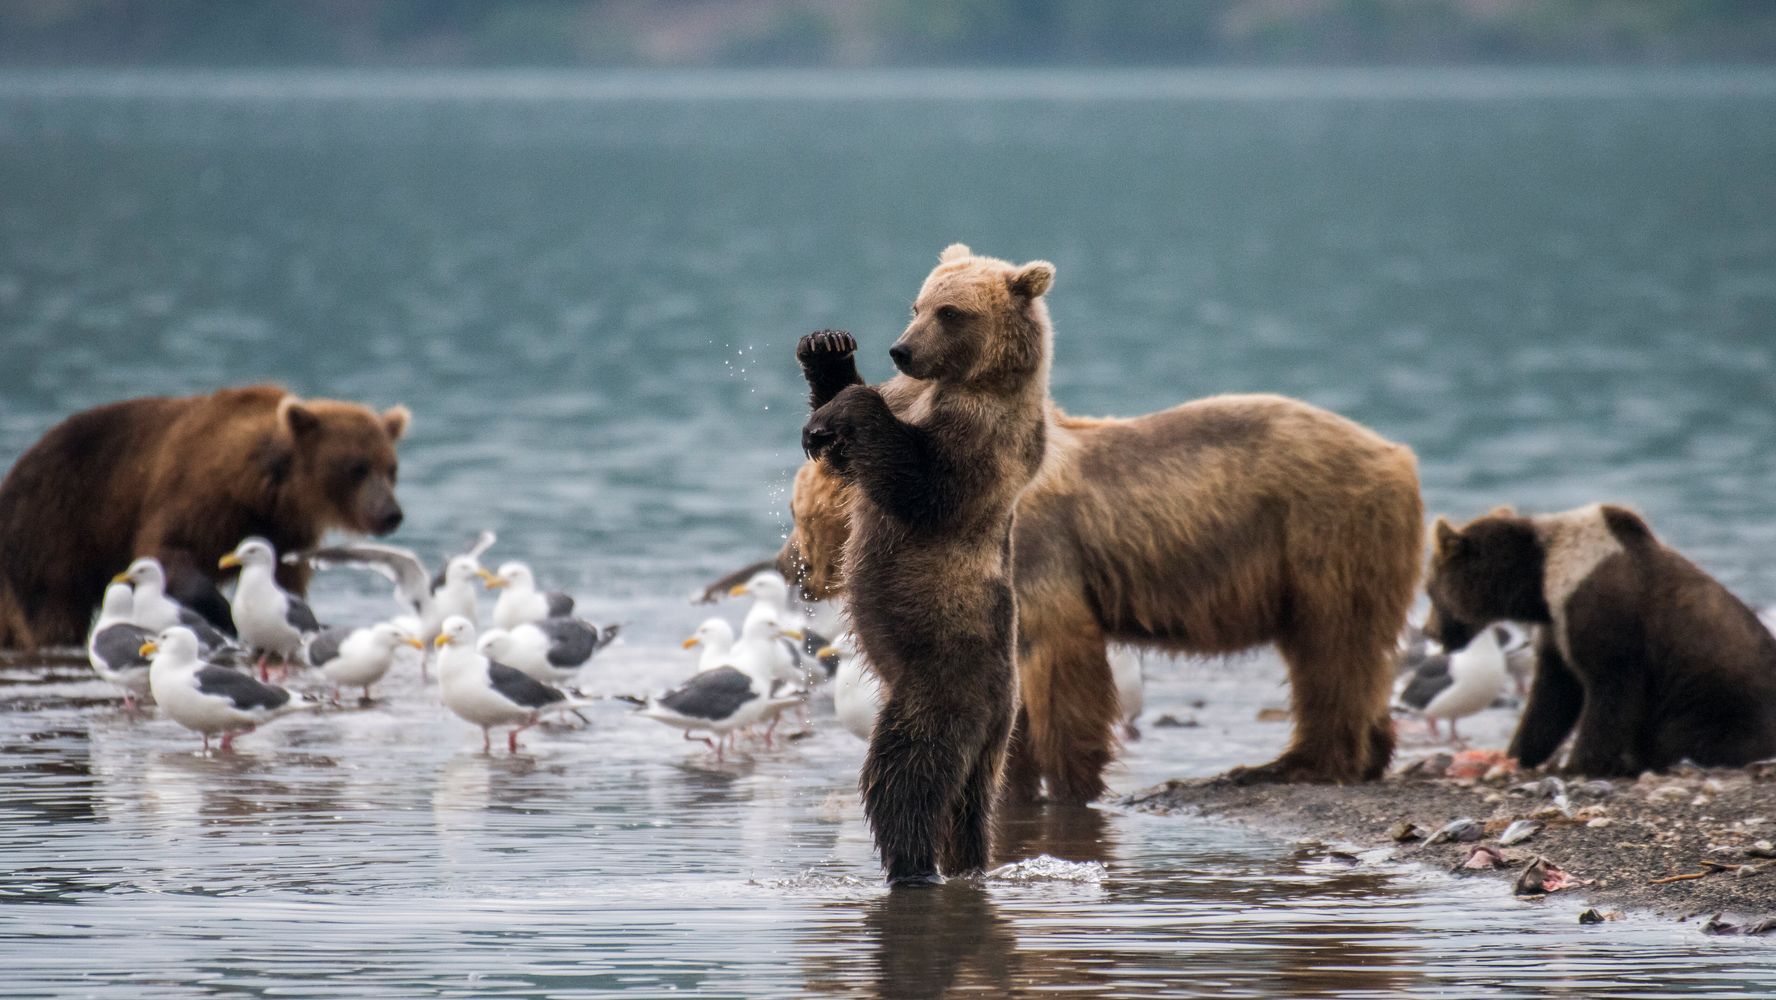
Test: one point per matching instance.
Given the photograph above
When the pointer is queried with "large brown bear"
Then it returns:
(1208, 528)
(183, 479)
(1649, 656)
(936, 476)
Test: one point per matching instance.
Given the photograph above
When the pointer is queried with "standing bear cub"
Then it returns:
(1652, 658)
(183, 479)
(929, 554)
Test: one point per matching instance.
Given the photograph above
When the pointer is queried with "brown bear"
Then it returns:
(183, 479)
(936, 480)
(1209, 528)
(1649, 656)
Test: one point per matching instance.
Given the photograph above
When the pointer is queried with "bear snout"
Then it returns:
(388, 520)
(902, 356)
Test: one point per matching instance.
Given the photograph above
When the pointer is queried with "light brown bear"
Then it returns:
(1209, 528)
(1649, 657)
(936, 479)
(183, 479)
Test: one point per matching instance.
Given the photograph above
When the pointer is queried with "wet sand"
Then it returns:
(1627, 843)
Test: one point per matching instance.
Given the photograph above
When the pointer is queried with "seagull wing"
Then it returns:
(560, 605)
(412, 582)
(241, 691)
(300, 616)
(120, 646)
(521, 688)
(571, 641)
(712, 694)
(324, 647)
(1428, 682)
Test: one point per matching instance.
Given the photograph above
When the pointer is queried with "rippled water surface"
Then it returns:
(1556, 288)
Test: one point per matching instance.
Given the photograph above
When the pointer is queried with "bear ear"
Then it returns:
(395, 420)
(1033, 279)
(1502, 510)
(298, 419)
(1448, 539)
(955, 251)
(1626, 525)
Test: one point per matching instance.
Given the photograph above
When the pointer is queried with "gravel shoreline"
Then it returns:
(1694, 845)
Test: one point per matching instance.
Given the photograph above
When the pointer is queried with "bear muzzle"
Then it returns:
(902, 356)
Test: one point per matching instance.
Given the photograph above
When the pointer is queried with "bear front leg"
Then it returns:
(909, 782)
(1609, 724)
(1555, 698)
(829, 363)
(894, 463)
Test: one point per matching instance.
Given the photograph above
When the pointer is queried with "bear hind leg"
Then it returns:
(969, 844)
(1070, 703)
(909, 783)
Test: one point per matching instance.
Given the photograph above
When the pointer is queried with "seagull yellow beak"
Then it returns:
(122, 577)
(737, 590)
(688, 643)
(826, 651)
(228, 561)
(415, 643)
(793, 633)
(440, 641)
(492, 581)
(149, 648)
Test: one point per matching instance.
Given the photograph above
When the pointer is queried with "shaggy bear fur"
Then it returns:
(937, 479)
(183, 479)
(1649, 656)
(1209, 528)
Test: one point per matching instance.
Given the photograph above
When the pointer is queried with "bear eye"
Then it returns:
(949, 314)
(359, 472)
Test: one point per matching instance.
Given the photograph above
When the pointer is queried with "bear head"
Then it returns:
(1486, 571)
(338, 462)
(977, 321)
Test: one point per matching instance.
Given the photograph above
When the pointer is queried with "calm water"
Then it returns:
(1556, 288)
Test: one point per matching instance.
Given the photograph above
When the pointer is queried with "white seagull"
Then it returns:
(1457, 685)
(731, 696)
(716, 637)
(489, 694)
(209, 699)
(770, 597)
(358, 657)
(520, 602)
(114, 646)
(271, 621)
(156, 612)
(857, 691)
(551, 650)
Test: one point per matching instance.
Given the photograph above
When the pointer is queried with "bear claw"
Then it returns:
(825, 345)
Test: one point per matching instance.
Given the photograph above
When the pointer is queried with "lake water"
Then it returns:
(1558, 288)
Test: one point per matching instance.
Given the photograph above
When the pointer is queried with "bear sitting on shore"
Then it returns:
(183, 479)
(929, 552)
(1650, 657)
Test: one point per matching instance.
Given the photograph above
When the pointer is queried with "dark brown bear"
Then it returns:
(1209, 528)
(929, 552)
(1652, 658)
(183, 479)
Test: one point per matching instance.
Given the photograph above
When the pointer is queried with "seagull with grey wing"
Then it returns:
(208, 699)
(271, 621)
(114, 646)
(155, 610)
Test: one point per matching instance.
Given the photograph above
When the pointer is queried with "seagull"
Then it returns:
(520, 602)
(1125, 670)
(271, 621)
(488, 694)
(115, 643)
(1457, 685)
(857, 691)
(552, 650)
(430, 599)
(770, 594)
(156, 612)
(716, 637)
(358, 657)
(210, 699)
(731, 696)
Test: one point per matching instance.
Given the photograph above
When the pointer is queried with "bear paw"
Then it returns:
(833, 427)
(824, 346)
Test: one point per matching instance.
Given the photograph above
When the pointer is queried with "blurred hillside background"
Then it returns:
(709, 33)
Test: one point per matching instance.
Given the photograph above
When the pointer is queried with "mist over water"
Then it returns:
(1557, 288)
